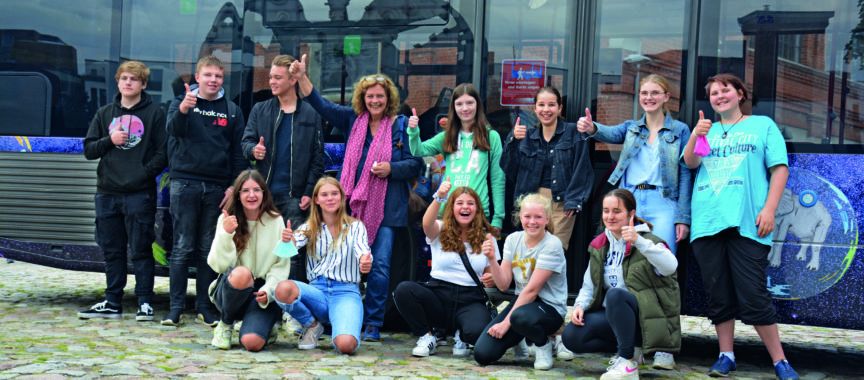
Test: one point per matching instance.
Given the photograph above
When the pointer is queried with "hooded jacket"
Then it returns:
(204, 144)
(131, 167)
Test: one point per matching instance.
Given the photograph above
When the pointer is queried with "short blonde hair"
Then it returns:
(283, 60)
(358, 102)
(209, 60)
(135, 68)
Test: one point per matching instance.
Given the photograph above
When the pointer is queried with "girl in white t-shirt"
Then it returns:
(451, 300)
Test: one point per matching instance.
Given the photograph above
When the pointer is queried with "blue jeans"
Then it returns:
(121, 220)
(651, 206)
(195, 210)
(290, 210)
(330, 302)
(378, 280)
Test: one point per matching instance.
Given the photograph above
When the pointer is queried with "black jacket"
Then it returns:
(204, 144)
(307, 145)
(134, 166)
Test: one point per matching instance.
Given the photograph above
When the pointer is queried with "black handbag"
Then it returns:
(493, 311)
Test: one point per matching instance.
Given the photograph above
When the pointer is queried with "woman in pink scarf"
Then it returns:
(378, 164)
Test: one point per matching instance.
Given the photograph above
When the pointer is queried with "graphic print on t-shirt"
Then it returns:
(131, 124)
(725, 158)
(526, 265)
(462, 167)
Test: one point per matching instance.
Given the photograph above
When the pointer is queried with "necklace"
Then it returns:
(726, 131)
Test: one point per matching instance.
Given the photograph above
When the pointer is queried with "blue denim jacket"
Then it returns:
(572, 174)
(672, 137)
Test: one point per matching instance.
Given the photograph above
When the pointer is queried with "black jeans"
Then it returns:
(617, 324)
(121, 220)
(290, 210)
(442, 305)
(194, 210)
(240, 305)
(534, 321)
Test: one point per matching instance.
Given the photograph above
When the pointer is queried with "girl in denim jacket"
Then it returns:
(649, 162)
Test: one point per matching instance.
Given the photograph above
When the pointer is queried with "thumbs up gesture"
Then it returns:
(298, 67)
(366, 263)
(519, 130)
(229, 222)
(287, 233)
(489, 247)
(413, 121)
(703, 126)
(120, 136)
(188, 100)
(259, 151)
(444, 189)
(628, 233)
(586, 124)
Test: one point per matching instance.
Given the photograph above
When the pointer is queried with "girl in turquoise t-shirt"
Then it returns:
(738, 187)
(471, 149)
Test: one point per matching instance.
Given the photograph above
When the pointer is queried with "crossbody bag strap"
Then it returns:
(473, 275)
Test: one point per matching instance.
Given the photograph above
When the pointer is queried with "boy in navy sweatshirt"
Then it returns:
(129, 138)
(204, 155)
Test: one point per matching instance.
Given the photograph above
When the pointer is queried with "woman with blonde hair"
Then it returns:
(375, 174)
(338, 253)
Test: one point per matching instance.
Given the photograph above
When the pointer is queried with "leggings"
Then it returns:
(534, 321)
(617, 325)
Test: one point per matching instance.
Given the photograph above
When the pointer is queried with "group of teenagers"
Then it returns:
(629, 302)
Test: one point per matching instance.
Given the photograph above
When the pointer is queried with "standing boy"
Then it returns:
(284, 138)
(128, 136)
(204, 155)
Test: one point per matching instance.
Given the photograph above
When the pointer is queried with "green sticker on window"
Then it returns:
(352, 45)
(188, 7)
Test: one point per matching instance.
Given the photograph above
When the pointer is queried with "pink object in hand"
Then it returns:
(702, 148)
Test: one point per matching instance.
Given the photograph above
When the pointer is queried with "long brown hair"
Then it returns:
(629, 202)
(454, 123)
(316, 217)
(451, 233)
(235, 208)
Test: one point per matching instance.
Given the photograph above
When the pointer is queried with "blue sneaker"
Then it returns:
(371, 334)
(784, 371)
(723, 367)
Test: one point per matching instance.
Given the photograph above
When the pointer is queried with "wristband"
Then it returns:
(438, 199)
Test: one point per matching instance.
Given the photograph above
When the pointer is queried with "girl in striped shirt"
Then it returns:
(338, 251)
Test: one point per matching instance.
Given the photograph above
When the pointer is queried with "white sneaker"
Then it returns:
(663, 360)
(309, 336)
(623, 369)
(543, 356)
(561, 352)
(520, 351)
(425, 346)
(460, 348)
(222, 336)
(637, 355)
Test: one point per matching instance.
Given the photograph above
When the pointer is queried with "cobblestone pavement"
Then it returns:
(42, 338)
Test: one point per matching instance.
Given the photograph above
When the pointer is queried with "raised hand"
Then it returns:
(444, 189)
(260, 150)
(229, 222)
(120, 136)
(287, 233)
(188, 100)
(703, 126)
(298, 67)
(628, 233)
(586, 124)
(519, 130)
(489, 247)
(413, 121)
(366, 263)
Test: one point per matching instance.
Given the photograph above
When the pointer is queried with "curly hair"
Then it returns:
(235, 208)
(358, 101)
(316, 217)
(451, 232)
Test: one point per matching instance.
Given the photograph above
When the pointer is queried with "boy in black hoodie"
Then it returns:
(130, 139)
(205, 129)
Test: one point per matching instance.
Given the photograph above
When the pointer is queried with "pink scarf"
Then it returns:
(367, 197)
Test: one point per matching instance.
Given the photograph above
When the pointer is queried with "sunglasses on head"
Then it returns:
(375, 78)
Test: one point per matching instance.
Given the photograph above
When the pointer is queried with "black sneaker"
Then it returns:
(173, 318)
(145, 312)
(102, 309)
(206, 316)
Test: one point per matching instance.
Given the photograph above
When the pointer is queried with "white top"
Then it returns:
(340, 263)
(447, 265)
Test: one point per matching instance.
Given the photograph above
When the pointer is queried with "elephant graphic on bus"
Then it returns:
(805, 217)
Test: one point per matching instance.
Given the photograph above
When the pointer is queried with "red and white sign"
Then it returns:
(520, 80)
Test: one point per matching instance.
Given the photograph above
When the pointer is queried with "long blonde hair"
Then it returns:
(316, 217)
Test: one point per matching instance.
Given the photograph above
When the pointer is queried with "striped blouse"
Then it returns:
(340, 264)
